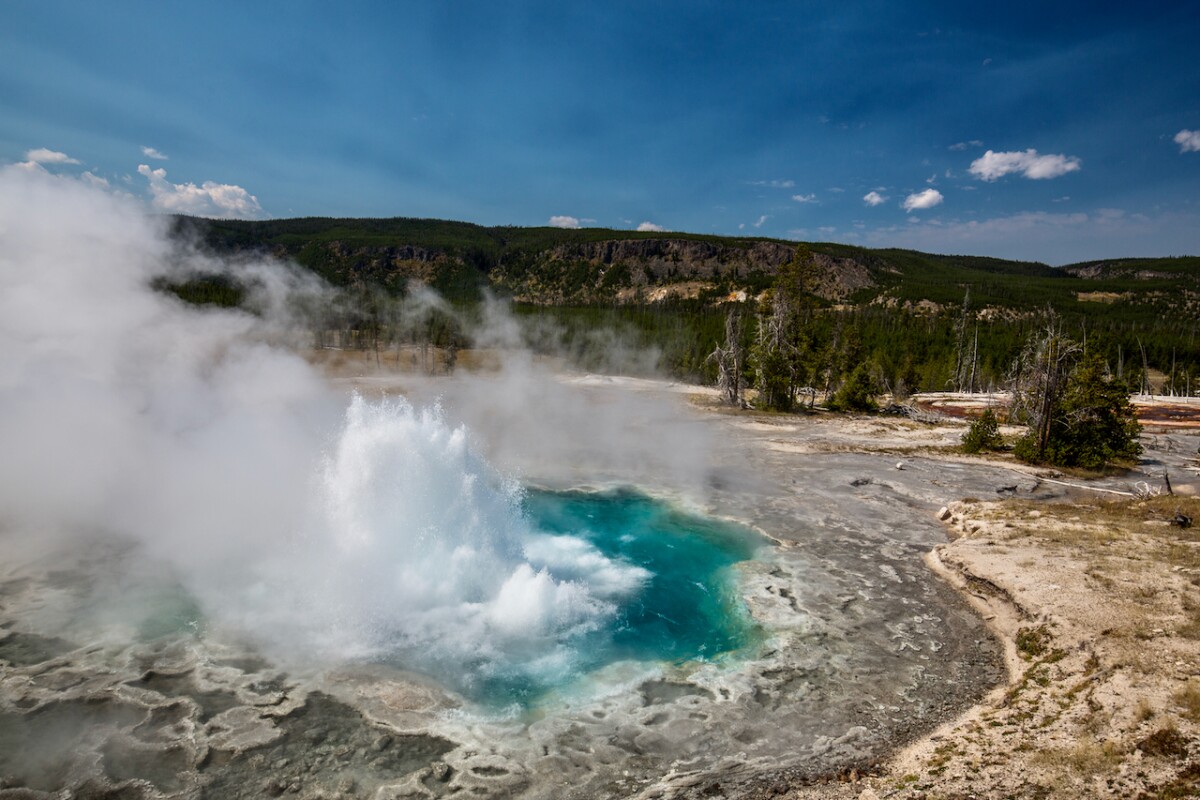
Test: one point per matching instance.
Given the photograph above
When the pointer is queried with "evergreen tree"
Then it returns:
(777, 357)
(857, 392)
(1093, 424)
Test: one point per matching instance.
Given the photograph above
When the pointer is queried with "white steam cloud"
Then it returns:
(650, 227)
(992, 166)
(564, 221)
(314, 525)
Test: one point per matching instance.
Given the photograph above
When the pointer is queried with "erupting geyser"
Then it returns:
(425, 556)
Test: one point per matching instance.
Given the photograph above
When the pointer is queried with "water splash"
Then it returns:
(420, 554)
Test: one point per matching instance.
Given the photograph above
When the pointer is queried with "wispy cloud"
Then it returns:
(761, 220)
(804, 198)
(959, 146)
(919, 201)
(1051, 237)
(1188, 141)
(874, 199)
(650, 226)
(34, 159)
(564, 221)
(150, 152)
(94, 180)
(210, 199)
(43, 156)
(992, 166)
(775, 184)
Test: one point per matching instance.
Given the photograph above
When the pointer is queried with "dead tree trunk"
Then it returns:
(730, 359)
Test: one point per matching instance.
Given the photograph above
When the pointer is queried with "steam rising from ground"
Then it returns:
(360, 529)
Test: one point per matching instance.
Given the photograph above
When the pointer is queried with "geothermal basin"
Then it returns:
(752, 614)
(226, 573)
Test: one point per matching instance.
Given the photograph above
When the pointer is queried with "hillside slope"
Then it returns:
(551, 266)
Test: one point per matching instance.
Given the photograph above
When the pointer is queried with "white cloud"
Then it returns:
(964, 145)
(761, 220)
(94, 180)
(874, 198)
(219, 200)
(150, 152)
(43, 156)
(923, 200)
(1188, 141)
(563, 221)
(992, 166)
(650, 226)
(804, 198)
(776, 184)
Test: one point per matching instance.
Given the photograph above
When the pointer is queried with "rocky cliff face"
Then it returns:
(391, 266)
(616, 270)
(836, 279)
(661, 258)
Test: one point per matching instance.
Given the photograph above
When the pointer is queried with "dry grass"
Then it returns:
(1109, 599)
(1187, 700)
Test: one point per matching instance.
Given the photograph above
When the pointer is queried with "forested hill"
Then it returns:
(590, 266)
(907, 314)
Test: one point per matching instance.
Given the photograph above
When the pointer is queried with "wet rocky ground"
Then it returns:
(863, 649)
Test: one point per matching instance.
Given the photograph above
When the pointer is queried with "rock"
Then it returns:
(943, 513)
(899, 465)
(381, 743)
(860, 482)
(241, 728)
(440, 771)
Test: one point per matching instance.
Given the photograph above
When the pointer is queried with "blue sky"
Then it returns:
(1049, 131)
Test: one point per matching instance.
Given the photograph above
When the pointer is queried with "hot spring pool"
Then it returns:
(686, 609)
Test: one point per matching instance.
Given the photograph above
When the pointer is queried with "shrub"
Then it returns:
(857, 393)
(983, 435)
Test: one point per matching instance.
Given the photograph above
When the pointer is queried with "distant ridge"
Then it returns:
(588, 266)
